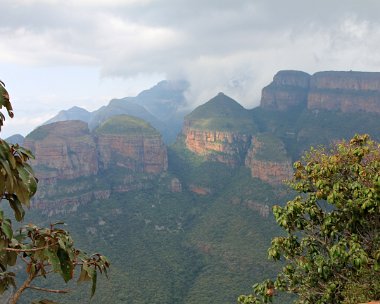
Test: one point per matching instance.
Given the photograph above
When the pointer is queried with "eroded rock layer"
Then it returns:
(63, 150)
(332, 90)
(225, 147)
(268, 161)
(75, 166)
(345, 91)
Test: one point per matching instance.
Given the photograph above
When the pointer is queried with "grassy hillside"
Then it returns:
(222, 113)
(125, 125)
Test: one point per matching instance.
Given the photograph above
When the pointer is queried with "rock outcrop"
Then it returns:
(63, 150)
(268, 161)
(75, 166)
(332, 90)
(288, 89)
(219, 130)
(131, 143)
(345, 91)
(224, 147)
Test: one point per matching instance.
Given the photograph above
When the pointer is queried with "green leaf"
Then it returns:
(66, 264)
(53, 259)
(7, 229)
(17, 208)
(4, 100)
(93, 287)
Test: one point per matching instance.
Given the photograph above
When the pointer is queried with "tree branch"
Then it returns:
(18, 293)
(49, 290)
(28, 250)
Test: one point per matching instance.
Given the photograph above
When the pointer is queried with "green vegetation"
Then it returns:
(300, 129)
(125, 125)
(164, 238)
(177, 247)
(36, 250)
(222, 113)
(332, 241)
(39, 133)
(270, 148)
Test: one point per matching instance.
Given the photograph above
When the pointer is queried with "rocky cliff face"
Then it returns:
(220, 130)
(225, 147)
(75, 166)
(338, 91)
(268, 161)
(63, 150)
(137, 153)
(131, 143)
(288, 89)
(345, 91)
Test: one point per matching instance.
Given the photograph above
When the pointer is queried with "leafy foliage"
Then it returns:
(42, 250)
(332, 246)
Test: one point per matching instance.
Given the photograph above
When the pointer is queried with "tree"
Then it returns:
(331, 249)
(41, 250)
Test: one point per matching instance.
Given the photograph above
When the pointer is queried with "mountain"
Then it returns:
(130, 143)
(327, 106)
(165, 100)
(191, 222)
(74, 113)
(122, 106)
(15, 139)
(288, 89)
(163, 106)
(346, 92)
(268, 159)
(219, 130)
(75, 166)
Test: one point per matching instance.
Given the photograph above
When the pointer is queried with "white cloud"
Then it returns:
(219, 45)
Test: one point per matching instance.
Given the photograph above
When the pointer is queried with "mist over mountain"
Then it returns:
(163, 106)
(190, 222)
(74, 113)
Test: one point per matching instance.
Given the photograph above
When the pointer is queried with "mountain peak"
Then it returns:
(221, 113)
(74, 113)
(220, 105)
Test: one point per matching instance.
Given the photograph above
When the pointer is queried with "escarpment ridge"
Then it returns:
(331, 90)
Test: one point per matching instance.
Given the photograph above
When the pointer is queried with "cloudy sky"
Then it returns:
(55, 54)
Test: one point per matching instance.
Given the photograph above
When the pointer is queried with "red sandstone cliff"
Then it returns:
(63, 150)
(288, 89)
(220, 130)
(338, 91)
(268, 161)
(345, 91)
(139, 153)
(71, 163)
(224, 147)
